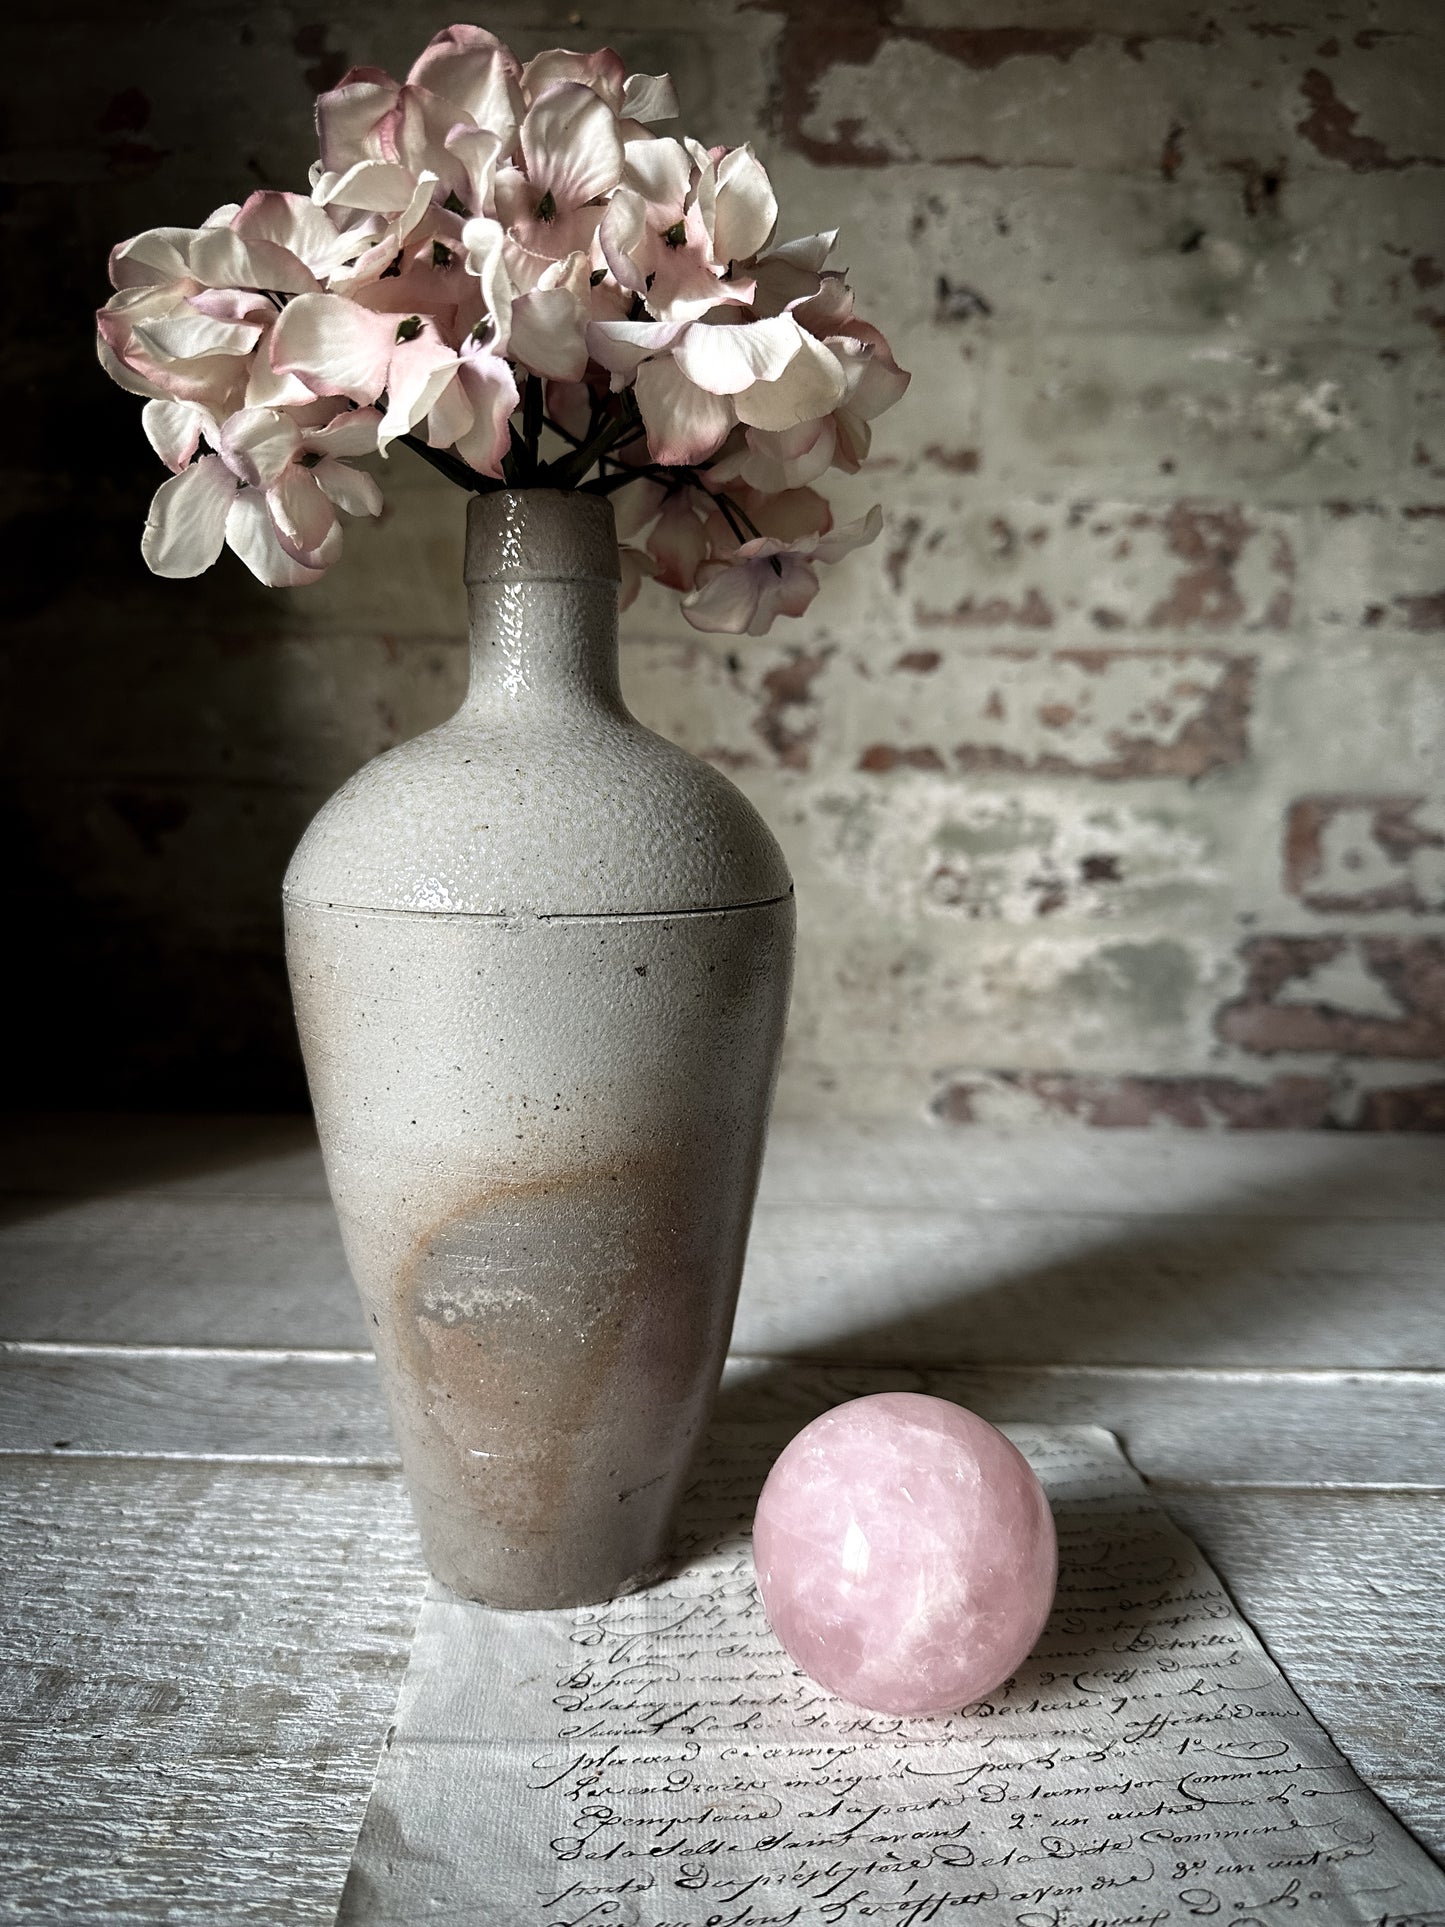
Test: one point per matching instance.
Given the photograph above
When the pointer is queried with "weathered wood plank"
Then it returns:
(197, 1667)
(1236, 1427)
(1070, 1287)
(822, 1280)
(154, 1269)
(890, 1166)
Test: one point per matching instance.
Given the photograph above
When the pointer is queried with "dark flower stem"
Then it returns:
(451, 466)
(532, 422)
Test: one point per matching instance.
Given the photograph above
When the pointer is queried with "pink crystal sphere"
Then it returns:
(905, 1553)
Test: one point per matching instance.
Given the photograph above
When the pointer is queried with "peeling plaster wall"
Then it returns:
(1111, 777)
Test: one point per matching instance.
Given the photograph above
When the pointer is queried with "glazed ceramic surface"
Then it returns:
(540, 959)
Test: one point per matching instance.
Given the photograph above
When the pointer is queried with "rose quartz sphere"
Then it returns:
(905, 1553)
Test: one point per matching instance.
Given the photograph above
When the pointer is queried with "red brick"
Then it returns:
(1362, 854)
(1409, 970)
(1195, 1103)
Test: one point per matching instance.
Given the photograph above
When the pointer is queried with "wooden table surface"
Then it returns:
(210, 1574)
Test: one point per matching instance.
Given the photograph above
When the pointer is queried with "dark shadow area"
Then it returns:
(146, 822)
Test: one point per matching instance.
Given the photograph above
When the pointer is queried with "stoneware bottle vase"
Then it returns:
(540, 960)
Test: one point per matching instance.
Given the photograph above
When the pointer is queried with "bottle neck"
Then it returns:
(542, 579)
(551, 643)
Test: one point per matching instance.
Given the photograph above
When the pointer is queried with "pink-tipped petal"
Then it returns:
(349, 114)
(649, 97)
(479, 76)
(186, 526)
(812, 384)
(185, 335)
(173, 429)
(791, 457)
(295, 222)
(485, 241)
(604, 72)
(374, 187)
(303, 513)
(661, 172)
(678, 544)
(622, 346)
(569, 404)
(686, 282)
(491, 388)
(334, 346)
(636, 566)
(725, 360)
(245, 305)
(352, 431)
(222, 258)
(351, 489)
(725, 600)
(685, 423)
(259, 444)
(420, 370)
(572, 146)
(549, 334)
(745, 206)
(477, 151)
(621, 234)
(251, 533)
(159, 255)
(265, 388)
(852, 535)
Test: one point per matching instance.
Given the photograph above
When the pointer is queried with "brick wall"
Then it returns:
(1111, 778)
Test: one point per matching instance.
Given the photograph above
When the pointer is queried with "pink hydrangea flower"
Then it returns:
(504, 266)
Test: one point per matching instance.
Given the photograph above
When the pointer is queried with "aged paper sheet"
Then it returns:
(659, 1762)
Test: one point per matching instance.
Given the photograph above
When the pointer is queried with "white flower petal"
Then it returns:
(726, 360)
(347, 116)
(649, 97)
(812, 384)
(265, 388)
(746, 207)
(621, 346)
(173, 429)
(161, 254)
(791, 457)
(186, 526)
(572, 146)
(549, 334)
(252, 534)
(481, 78)
(295, 222)
(352, 432)
(661, 172)
(259, 444)
(420, 370)
(603, 71)
(491, 389)
(376, 187)
(478, 150)
(334, 346)
(853, 535)
(685, 423)
(302, 511)
(637, 505)
(222, 258)
(349, 488)
(726, 600)
(184, 335)
(622, 231)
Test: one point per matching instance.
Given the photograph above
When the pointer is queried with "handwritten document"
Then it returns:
(659, 1761)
